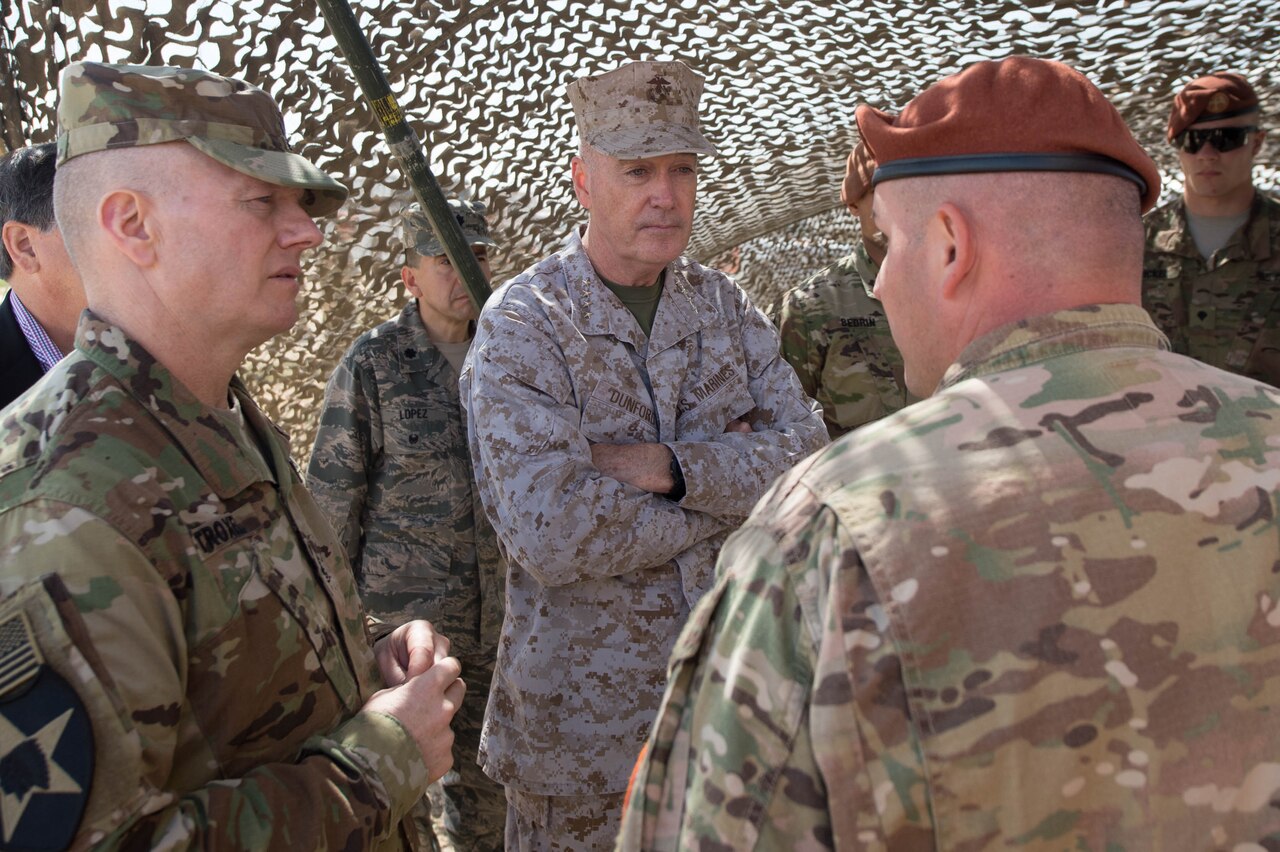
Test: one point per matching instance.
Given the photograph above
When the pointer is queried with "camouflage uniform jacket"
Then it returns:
(202, 612)
(836, 335)
(1224, 311)
(601, 574)
(1038, 609)
(391, 469)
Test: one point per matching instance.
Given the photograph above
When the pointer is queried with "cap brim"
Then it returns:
(430, 248)
(651, 140)
(281, 168)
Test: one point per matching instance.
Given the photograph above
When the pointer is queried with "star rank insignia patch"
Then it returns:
(46, 746)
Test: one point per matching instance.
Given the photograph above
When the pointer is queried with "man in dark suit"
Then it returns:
(38, 314)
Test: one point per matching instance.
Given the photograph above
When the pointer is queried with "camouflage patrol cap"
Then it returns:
(415, 228)
(643, 109)
(991, 117)
(1211, 98)
(857, 176)
(103, 106)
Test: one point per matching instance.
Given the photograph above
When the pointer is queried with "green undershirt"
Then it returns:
(641, 301)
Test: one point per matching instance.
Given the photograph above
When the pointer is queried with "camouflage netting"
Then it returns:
(484, 84)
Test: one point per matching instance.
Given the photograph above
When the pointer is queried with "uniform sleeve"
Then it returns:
(559, 517)
(727, 475)
(801, 346)
(347, 443)
(348, 788)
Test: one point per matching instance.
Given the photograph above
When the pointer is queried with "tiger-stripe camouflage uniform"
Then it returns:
(1223, 310)
(835, 334)
(391, 470)
(174, 530)
(848, 619)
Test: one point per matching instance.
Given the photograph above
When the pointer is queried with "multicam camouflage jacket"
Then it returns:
(835, 334)
(600, 573)
(1224, 311)
(184, 655)
(1039, 609)
(390, 468)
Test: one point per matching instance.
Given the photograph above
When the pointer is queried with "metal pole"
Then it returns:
(404, 144)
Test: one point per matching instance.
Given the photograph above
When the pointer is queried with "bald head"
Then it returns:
(1050, 225)
(968, 253)
(82, 184)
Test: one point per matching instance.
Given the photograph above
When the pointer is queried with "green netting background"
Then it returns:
(484, 85)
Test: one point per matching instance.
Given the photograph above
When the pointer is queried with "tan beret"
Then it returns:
(1016, 115)
(1210, 98)
(857, 176)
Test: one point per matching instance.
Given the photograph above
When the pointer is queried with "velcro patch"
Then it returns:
(20, 658)
(216, 534)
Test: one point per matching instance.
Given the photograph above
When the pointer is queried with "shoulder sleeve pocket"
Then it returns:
(70, 759)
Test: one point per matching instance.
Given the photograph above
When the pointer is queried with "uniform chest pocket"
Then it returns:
(429, 425)
(708, 404)
(615, 415)
(256, 677)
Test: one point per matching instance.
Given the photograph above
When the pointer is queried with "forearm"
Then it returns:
(350, 788)
(576, 524)
(726, 475)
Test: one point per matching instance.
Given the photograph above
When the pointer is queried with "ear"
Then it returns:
(125, 216)
(1259, 137)
(955, 237)
(17, 242)
(410, 282)
(578, 167)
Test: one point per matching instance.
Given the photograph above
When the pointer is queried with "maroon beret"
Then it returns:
(1016, 115)
(857, 176)
(1216, 96)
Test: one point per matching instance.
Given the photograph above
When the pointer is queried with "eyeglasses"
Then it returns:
(1223, 139)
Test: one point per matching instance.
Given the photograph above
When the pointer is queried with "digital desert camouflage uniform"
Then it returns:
(836, 336)
(391, 470)
(601, 574)
(1224, 311)
(200, 612)
(1076, 513)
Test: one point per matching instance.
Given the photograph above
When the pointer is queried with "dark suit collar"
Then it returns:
(19, 368)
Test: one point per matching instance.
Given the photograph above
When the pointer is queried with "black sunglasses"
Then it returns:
(1223, 139)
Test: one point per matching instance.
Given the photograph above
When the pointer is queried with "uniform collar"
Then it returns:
(1251, 241)
(199, 433)
(867, 268)
(413, 345)
(1046, 336)
(682, 310)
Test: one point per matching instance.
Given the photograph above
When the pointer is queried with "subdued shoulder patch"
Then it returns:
(46, 746)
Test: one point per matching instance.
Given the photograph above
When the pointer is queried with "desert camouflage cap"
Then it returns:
(643, 109)
(415, 228)
(103, 106)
